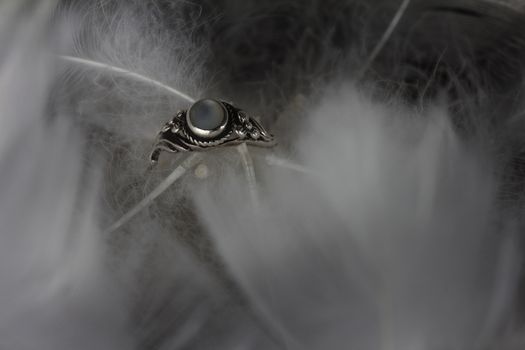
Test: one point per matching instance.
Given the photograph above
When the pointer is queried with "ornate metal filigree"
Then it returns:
(178, 134)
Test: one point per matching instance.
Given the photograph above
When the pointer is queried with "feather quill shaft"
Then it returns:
(179, 171)
(286, 164)
(125, 72)
(384, 39)
(249, 171)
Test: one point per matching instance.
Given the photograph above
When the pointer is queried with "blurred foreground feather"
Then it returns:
(56, 292)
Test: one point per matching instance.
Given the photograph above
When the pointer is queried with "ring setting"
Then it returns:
(209, 123)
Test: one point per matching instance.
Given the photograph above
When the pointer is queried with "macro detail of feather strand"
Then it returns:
(392, 219)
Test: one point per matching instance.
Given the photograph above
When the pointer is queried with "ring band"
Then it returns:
(206, 124)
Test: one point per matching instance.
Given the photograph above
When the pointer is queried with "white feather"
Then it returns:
(55, 289)
(393, 243)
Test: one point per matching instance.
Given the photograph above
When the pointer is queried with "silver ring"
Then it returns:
(206, 124)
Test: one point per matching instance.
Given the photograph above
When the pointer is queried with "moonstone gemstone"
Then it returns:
(207, 114)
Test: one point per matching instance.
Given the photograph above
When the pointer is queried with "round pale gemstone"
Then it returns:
(207, 115)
